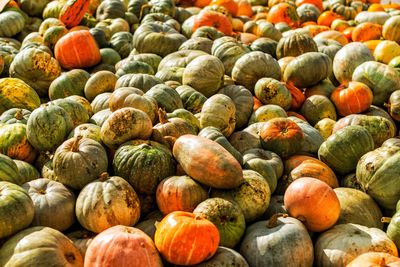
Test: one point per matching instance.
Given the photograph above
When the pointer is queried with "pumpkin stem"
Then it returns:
(386, 219)
(386, 105)
(104, 176)
(383, 262)
(272, 222)
(75, 145)
(162, 116)
(143, 10)
(18, 115)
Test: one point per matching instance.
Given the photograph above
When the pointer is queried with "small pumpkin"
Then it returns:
(69, 83)
(271, 91)
(73, 11)
(214, 19)
(354, 98)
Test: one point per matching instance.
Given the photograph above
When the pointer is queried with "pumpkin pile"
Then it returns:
(199, 133)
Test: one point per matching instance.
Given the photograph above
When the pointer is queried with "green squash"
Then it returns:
(69, 83)
(15, 115)
(16, 208)
(267, 112)
(224, 257)
(144, 164)
(206, 32)
(122, 43)
(253, 66)
(171, 74)
(343, 149)
(328, 46)
(163, 19)
(48, 126)
(197, 43)
(138, 80)
(100, 82)
(318, 107)
(75, 110)
(11, 23)
(393, 230)
(263, 28)
(27, 172)
(53, 203)
(134, 67)
(348, 10)
(52, 10)
(226, 216)
(192, 99)
(40, 246)
(100, 117)
(179, 59)
(87, 130)
(294, 45)
(110, 9)
(265, 45)
(272, 91)
(187, 116)
(109, 56)
(101, 102)
(166, 97)
(9, 170)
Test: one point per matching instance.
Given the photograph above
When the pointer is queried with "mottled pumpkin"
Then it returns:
(318, 107)
(271, 91)
(69, 83)
(192, 99)
(14, 143)
(12, 22)
(294, 45)
(73, 11)
(165, 96)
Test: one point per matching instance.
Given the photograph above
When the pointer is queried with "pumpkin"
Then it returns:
(187, 116)
(205, 74)
(318, 107)
(325, 127)
(9, 170)
(138, 80)
(47, 127)
(110, 9)
(180, 230)
(125, 124)
(100, 82)
(348, 10)
(296, 70)
(225, 257)
(40, 246)
(85, 54)
(282, 136)
(75, 110)
(81, 239)
(100, 117)
(17, 207)
(179, 59)
(358, 207)
(375, 258)
(214, 19)
(284, 12)
(390, 29)
(271, 91)
(328, 46)
(87, 130)
(253, 66)
(366, 31)
(312, 138)
(264, 44)
(294, 45)
(207, 32)
(262, 28)
(53, 203)
(166, 97)
(27, 172)
(252, 196)
(69, 83)
(280, 241)
(83, 101)
(266, 112)
(324, 87)
(344, 242)
(130, 246)
(385, 51)
(102, 101)
(107, 202)
(12, 22)
(378, 17)
(380, 78)
(14, 143)
(392, 106)
(350, 143)
(308, 14)
(74, 167)
(144, 164)
(226, 170)
(197, 43)
(348, 59)
(73, 11)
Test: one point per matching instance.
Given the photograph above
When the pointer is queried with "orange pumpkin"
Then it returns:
(183, 238)
(316, 29)
(296, 160)
(257, 103)
(333, 35)
(327, 17)
(313, 202)
(315, 169)
(76, 50)
(372, 44)
(376, 7)
(354, 98)
(284, 12)
(237, 25)
(317, 3)
(73, 12)
(340, 25)
(348, 32)
(376, 259)
(298, 97)
(202, 3)
(244, 8)
(230, 5)
(246, 38)
(366, 31)
(295, 114)
(214, 19)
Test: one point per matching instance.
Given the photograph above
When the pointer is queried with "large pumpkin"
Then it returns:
(122, 246)
(390, 30)
(181, 230)
(354, 98)
(295, 44)
(85, 52)
(375, 259)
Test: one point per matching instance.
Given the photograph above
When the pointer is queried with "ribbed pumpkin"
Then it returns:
(122, 246)
(342, 150)
(78, 161)
(225, 257)
(271, 91)
(280, 241)
(284, 12)
(144, 164)
(27, 172)
(69, 83)
(75, 110)
(85, 53)
(166, 97)
(73, 12)
(392, 105)
(14, 143)
(226, 171)
(12, 22)
(214, 19)
(354, 98)
(47, 127)
(390, 30)
(54, 204)
(100, 82)
(107, 202)
(9, 171)
(16, 208)
(40, 246)
(266, 112)
(180, 230)
(295, 45)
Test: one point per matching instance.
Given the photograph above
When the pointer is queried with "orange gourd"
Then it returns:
(366, 31)
(327, 17)
(376, 259)
(284, 12)
(317, 3)
(214, 19)
(354, 98)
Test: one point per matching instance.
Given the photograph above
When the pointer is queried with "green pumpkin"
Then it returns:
(318, 107)
(308, 12)
(192, 99)
(152, 59)
(253, 195)
(144, 164)
(166, 97)
(162, 18)
(35, 67)
(157, 38)
(265, 45)
(328, 46)
(122, 43)
(107, 202)
(294, 45)
(27, 172)
(197, 43)
(9, 170)
(376, 171)
(264, 29)
(12, 22)
(226, 216)
(78, 161)
(100, 82)
(380, 78)
(15, 115)
(253, 66)
(187, 116)
(52, 10)
(87, 130)
(267, 112)
(342, 150)
(134, 67)
(75, 110)
(40, 246)
(109, 56)
(324, 87)
(48, 126)
(171, 74)
(390, 30)
(70, 83)
(83, 101)
(312, 137)
(299, 70)
(224, 257)
(348, 10)
(110, 9)
(216, 135)
(100, 117)
(53, 34)
(207, 32)
(101, 102)
(393, 230)
(228, 50)
(271, 91)
(16, 208)
(53, 203)
(138, 80)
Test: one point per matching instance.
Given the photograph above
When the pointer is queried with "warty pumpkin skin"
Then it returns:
(53, 203)
(107, 202)
(16, 208)
(181, 230)
(271, 91)
(85, 52)
(40, 246)
(122, 246)
(226, 172)
(144, 164)
(78, 161)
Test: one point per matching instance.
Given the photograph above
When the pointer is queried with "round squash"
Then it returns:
(69, 83)
(375, 259)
